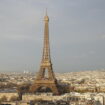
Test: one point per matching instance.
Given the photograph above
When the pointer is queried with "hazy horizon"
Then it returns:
(77, 34)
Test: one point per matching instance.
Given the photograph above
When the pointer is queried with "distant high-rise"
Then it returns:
(45, 80)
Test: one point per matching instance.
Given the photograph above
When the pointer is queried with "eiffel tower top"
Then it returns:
(46, 59)
(46, 18)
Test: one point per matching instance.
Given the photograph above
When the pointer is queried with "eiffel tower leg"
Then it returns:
(54, 89)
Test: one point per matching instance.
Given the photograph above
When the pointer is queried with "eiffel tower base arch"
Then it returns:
(52, 85)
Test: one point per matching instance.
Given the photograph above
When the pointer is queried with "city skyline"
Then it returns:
(77, 34)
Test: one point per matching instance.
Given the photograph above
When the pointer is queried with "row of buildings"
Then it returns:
(73, 98)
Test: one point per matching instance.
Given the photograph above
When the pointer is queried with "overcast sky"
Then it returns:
(77, 34)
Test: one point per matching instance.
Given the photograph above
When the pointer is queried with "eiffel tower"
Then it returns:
(45, 77)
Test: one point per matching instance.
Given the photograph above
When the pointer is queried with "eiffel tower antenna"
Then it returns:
(46, 11)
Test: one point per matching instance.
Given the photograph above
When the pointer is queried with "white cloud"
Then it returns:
(103, 36)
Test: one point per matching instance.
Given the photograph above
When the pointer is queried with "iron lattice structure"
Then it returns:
(46, 66)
